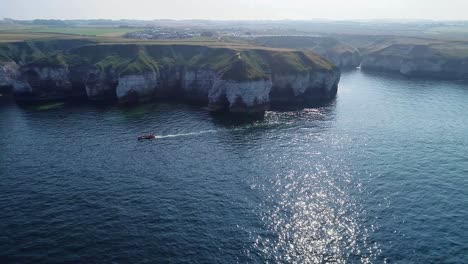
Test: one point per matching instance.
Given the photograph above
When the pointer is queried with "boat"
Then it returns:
(146, 137)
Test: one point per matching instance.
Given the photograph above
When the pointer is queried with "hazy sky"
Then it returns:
(236, 9)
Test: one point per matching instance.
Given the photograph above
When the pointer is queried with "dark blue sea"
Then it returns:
(380, 175)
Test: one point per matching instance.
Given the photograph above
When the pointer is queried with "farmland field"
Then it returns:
(82, 31)
(457, 32)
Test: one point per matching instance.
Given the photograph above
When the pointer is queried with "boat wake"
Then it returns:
(214, 131)
(185, 134)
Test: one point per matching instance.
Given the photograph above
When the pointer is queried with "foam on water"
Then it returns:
(186, 134)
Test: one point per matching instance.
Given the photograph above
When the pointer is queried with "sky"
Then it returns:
(235, 9)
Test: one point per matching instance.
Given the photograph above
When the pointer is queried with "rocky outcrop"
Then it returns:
(43, 83)
(229, 95)
(416, 60)
(136, 88)
(240, 97)
(303, 88)
(196, 85)
(382, 63)
(9, 72)
(100, 85)
(278, 91)
(345, 60)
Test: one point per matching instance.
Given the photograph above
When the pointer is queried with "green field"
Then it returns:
(15, 33)
(448, 30)
(80, 31)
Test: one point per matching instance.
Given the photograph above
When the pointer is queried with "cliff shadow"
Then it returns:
(227, 119)
(6, 95)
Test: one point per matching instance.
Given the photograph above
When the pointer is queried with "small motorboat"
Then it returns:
(146, 137)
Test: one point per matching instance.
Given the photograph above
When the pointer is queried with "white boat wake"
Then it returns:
(185, 134)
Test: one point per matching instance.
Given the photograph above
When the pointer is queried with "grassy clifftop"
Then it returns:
(337, 52)
(31, 50)
(398, 46)
(317, 44)
(431, 51)
(231, 62)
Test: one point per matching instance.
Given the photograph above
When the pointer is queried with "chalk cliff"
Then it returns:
(417, 60)
(136, 87)
(337, 52)
(8, 74)
(236, 96)
(239, 81)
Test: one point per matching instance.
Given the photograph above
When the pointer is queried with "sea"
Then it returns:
(379, 175)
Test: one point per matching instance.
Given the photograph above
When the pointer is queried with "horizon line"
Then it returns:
(247, 20)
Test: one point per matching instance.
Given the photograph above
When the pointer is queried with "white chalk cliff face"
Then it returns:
(100, 85)
(60, 76)
(416, 60)
(203, 85)
(44, 83)
(136, 88)
(349, 60)
(435, 67)
(196, 84)
(304, 87)
(246, 96)
(429, 66)
(234, 96)
(256, 95)
(298, 83)
(381, 63)
(343, 60)
(9, 72)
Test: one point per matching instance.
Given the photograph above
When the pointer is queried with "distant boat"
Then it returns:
(146, 137)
